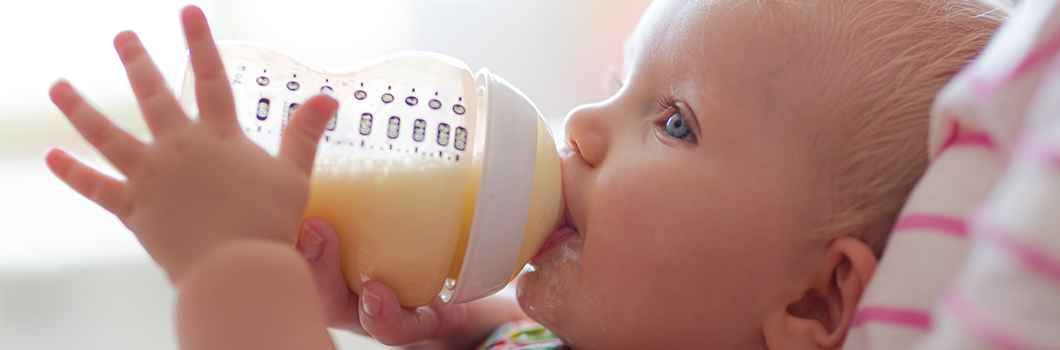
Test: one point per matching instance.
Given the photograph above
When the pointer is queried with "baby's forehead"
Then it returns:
(744, 46)
(790, 51)
(705, 30)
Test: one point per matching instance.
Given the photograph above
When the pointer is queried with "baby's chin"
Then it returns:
(546, 294)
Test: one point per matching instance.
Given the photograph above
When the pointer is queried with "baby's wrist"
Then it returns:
(177, 265)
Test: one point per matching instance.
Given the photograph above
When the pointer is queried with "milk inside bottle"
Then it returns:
(440, 182)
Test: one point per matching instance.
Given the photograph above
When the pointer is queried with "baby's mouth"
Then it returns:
(562, 233)
(567, 229)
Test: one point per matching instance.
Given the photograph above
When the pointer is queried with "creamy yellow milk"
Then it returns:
(404, 219)
(398, 219)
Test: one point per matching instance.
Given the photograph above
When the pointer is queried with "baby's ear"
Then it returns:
(819, 317)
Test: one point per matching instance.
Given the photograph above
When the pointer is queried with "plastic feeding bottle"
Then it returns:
(439, 182)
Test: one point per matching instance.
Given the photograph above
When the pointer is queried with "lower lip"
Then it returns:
(555, 239)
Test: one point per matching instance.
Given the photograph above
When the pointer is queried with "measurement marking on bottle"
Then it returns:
(443, 134)
(263, 109)
(419, 128)
(460, 141)
(366, 125)
(332, 123)
(291, 109)
(393, 127)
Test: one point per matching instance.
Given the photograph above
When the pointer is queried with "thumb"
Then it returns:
(319, 244)
(389, 323)
(300, 137)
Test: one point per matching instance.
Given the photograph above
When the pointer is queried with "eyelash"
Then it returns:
(668, 103)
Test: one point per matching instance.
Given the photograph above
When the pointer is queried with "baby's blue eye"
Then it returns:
(677, 126)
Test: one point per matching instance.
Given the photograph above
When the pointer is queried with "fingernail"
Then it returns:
(310, 243)
(58, 90)
(57, 82)
(124, 38)
(371, 303)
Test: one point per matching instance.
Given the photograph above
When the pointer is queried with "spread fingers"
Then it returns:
(158, 104)
(106, 191)
(114, 143)
(212, 90)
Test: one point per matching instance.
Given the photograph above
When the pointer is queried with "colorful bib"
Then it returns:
(522, 335)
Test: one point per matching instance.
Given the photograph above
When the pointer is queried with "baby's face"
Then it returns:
(687, 191)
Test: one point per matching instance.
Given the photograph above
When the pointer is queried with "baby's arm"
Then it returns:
(211, 207)
(252, 294)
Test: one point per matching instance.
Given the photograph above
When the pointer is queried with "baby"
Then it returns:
(736, 192)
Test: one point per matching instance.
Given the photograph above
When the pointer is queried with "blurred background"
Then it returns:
(72, 276)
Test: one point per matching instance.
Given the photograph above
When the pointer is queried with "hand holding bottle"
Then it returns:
(376, 311)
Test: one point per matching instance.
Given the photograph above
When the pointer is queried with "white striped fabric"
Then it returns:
(974, 261)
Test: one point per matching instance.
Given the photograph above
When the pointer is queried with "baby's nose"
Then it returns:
(587, 133)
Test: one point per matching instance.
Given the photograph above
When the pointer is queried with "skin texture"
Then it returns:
(250, 294)
(684, 242)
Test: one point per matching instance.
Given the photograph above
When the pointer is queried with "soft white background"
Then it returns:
(72, 276)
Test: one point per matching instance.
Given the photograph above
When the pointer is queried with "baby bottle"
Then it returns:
(440, 182)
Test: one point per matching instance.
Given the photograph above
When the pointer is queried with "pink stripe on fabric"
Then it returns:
(941, 223)
(918, 319)
(984, 88)
(1035, 260)
(975, 139)
(1039, 149)
(978, 326)
(955, 128)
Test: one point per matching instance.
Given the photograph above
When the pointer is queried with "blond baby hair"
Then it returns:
(897, 55)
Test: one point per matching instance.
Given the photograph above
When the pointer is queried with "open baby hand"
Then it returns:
(198, 183)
